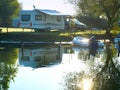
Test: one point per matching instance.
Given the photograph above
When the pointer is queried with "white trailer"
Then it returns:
(41, 19)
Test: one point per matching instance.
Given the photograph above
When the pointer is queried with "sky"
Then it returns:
(59, 5)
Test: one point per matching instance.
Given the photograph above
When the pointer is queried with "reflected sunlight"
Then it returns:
(87, 84)
(70, 62)
(85, 40)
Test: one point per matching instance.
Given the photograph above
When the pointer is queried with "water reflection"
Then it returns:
(75, 70)
(80, 78)
(109, 77)
(101, 73)
(86, 84)
(37, 57)
(8, 66)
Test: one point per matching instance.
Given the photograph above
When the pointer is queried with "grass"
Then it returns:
(5, 30)
(54, 35)
(21, 30)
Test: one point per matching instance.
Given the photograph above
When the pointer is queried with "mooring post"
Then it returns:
(0, 30)
(22, 48)
(59, 51)
(7, 29)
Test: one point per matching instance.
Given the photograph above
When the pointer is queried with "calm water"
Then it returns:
(54, 68)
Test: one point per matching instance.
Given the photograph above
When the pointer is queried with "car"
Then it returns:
(79, 25)
(75, 24)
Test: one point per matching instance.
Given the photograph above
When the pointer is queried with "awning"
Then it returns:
(52, 12)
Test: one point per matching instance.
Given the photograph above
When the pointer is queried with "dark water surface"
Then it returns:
(58, 68)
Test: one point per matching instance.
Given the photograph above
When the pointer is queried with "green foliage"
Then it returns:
(116, 29)
(8, 67)
(8, 55)
(88, 7)
(8, 10)
(92, 21)
(111, 9)
(107, 9)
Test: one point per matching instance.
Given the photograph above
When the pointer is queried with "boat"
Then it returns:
(84, 42)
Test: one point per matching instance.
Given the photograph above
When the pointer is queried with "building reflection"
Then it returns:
(38, 57)
(80, 73)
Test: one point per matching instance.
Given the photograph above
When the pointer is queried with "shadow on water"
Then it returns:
(8, 66)
(94, 76)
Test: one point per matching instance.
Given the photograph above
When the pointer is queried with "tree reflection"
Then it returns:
(83, 54)
(107, 78)
(8, 67)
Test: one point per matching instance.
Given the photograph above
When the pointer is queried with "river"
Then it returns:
(58, 68)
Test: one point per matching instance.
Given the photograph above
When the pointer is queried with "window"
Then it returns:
(45, 17)
(25, 17)
(38, 17)
(58, 18)
(37, 59)
(25, 58)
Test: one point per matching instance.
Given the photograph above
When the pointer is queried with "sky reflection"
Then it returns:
(73, 73)
(47, 78)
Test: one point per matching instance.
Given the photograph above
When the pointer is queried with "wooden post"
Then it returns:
(59, 51)
(7, 29)
(0, 30)
(22, 47)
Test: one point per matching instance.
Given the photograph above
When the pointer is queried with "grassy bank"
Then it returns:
(33, 36)
(19, 34)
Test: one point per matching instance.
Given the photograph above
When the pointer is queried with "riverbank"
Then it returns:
(33, 37)
(56, 36)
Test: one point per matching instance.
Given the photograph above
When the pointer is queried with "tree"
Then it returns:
(93, 22)
(8, 10)
(8, 66)
(111, 9)
(107, 9)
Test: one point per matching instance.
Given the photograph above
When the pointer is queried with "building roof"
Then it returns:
(52, 12)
